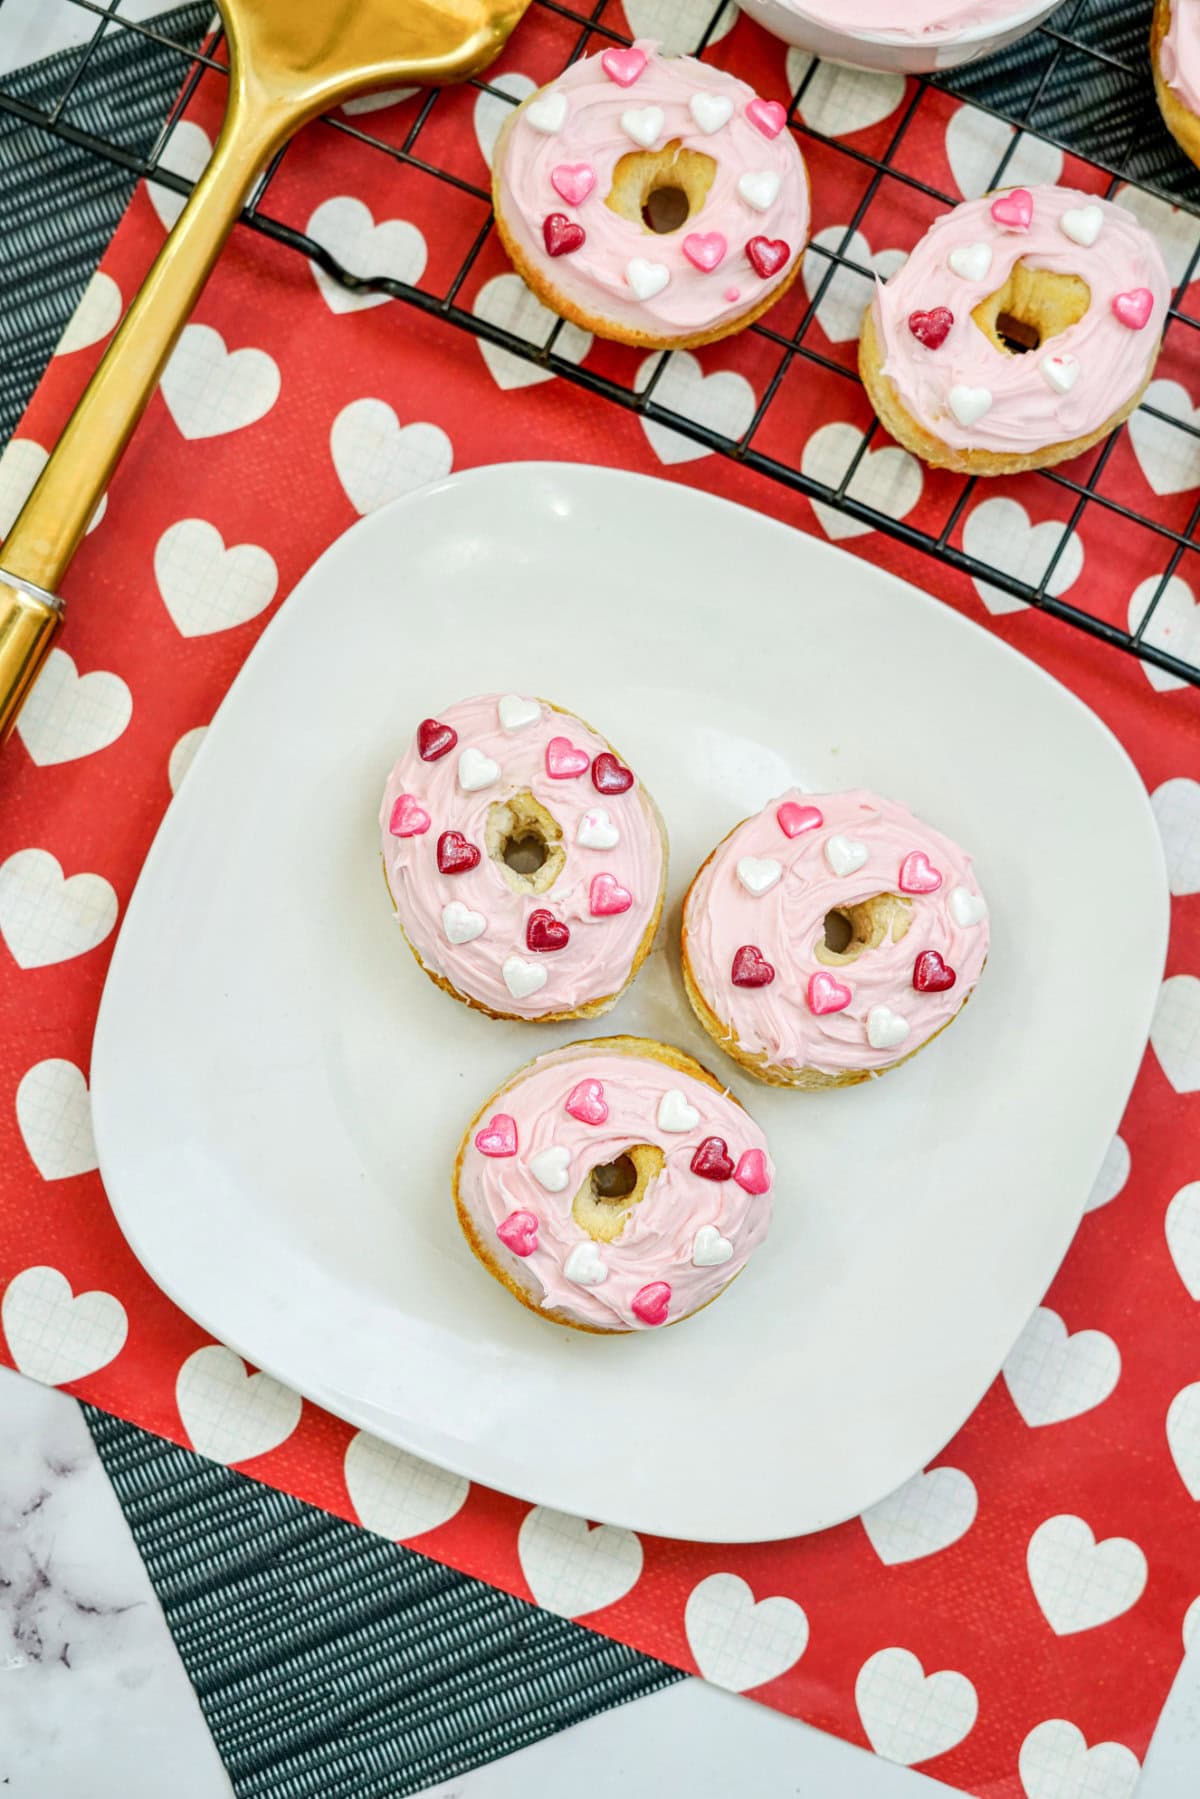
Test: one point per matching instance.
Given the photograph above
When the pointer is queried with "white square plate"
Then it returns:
(279, 1091)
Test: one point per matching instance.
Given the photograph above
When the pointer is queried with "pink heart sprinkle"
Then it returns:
(1015, 210)
(409, 817)
(1134, 308)
(498, 1137)
(573, 180)
(650, 1303)
(518, 1232)
(564, 761)
(768, 115)
(587, 1102)
(827, 995)
(606, 896)
(623, 66)
(794, 819)
(704, 249)
(752, 1173)
(918, 875)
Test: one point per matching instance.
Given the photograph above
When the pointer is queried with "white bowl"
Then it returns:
(892, 50)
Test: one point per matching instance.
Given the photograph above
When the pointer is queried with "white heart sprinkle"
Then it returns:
(549, 114)
(516, 713)
(475, 770)
(646, 278)
(968, 908)
(523, 978)
(597, 830)
(674, 1113)
(1083, 224)
(643, 124)
(710, 1248)
(460, 924)
(760, 189)
(585, 1265)
(969, 403)
(844, 855)
(1061, 372)
(885, 1028)
(710, 111)
(758, 874)
(971, 261)
(549, 1167)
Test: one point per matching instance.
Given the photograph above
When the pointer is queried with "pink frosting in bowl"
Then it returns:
(1180, 53)
(913, 19)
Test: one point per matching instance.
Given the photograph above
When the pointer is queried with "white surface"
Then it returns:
(890, 50)
(278, 1091)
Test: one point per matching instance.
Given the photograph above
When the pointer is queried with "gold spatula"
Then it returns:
(289, 60)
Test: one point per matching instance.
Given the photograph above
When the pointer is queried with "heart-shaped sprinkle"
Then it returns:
(931, 328)
(643, 124)
(607, 897)
(931, 974)
(710, 1248)
(623, 66)
(516, 712)
(918, 875)
(966, 907)
(586, 1102)
(759, 189)
(710, 111)
(409, 817)
(844, 854)
(1014, 211)
(585, 1265)
(712, 1161)
(646, 278)
(971, 261)
(1134, 308)
(751, 968)
(675, 1114)
(551, 1167)
(564, 761)
(475, 770)
(544, 932)
(547, 114)
(573, 181)
(608, 776)
(885, 1028)
(826, 994)
(1083, 224)
(650, 1303)
(704, 249)
(597, 831)
(498, 1136)
(454, 854)
(758, 874)
(561, 235)
(767, 255)
(434, 739)
(794, 820)
(460, 924)
(1061, 372)
(518, 1232)
(968, 404)
(752, 1173)
(767, 116)
(523, 978)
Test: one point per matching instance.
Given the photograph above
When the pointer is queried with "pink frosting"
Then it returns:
(909, 18)
(658, 1242)
(787, 921)
(1181, 52)
(594, 277)
(1026, 411)
(599, 954)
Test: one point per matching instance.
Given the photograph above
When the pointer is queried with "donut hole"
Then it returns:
(666, 209)
(614, 1181)
(524, 841)
(850, 931)
(610, 1191)
(1032, 306)
(660, 190)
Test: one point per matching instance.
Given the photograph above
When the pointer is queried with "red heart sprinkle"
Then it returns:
(608, 776)
(454, 854)
(587, 1102)
(931, 328)
(545, 932)
(518, 1232)
(434, 739)
(498, 1136)
(712, 1161)
(561, 235)
(931, 974)
(767, 255)
(752, 1173)
(650, 1303)
(409, 817)
(751, 968)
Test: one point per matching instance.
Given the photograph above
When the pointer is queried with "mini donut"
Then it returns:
(1175, 60)
(629, 136)
(830, 937)
(1022, 329)
(525, 862)
(614, 1185)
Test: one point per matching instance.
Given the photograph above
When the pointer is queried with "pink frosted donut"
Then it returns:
(1023, 328)
(525, 861)
(582, 175)
(830, 937)
(1175, 57)
(614, 1185)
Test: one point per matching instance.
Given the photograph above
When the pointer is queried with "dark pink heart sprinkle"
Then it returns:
(1134, 308)
(752, 1173)
(769, 117)
(794, 819)
(454, 854)
(587, 1102)
(931, 974)
(767, 255)
(623, 66)
(434, 739)
(561, 235)
(931, 328)
(918, 875)
(650, 1303)
(751, 968)
(608, 776)
(498, 1136)
(409, 817)
(607, 897)
(518, 1232)
(825, 994)
(574, 181)
(1014, 210)
(564, 761)
(544, 932)
(705, 249)
(712, 1161)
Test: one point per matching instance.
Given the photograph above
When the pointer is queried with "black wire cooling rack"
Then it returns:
(1081, 81)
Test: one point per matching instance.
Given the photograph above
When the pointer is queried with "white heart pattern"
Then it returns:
(492, 113)
(644, 125)
(1175, 1032)
(1056, 1763)
(550, 1168)
(1078, 1582)
(1168, 457)
(94, 317)
(1083, 224)
(1183, 1436)
(55, 1336)
(998, 531)
(20, 465)
(910, 1716)
(709, 1248)
(844, 854)
(183, 754)
(46, 918)
(711, 112)
(1175, 231)
(70, 715)
(847, 293)
(1175, 627)
(54, 1114)
(736, 1643)
(838, 101)
(885, 1028)
(1191, 1624)
(723, 401)
(515, 712)
(1114, 1172)
(379, 101)
(678, 25)
(206, 587)
(924, 1516)
(675, 1114)
(758, 874)
(476, 771)
(976, 143)
(646, 278)
(229, 1414)
(759, 189)
(397, 1495)
(377, 459)
(1183, 1236)
(345, 227)
(970, 261)
(1176, 806)
(1051, 1375)
(185, 153)
(888, 479)
(573, 1568)
(460, 924)
(210, 390)
(507, 302)
(585, 1265)
(597, 830)
(523, 978)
